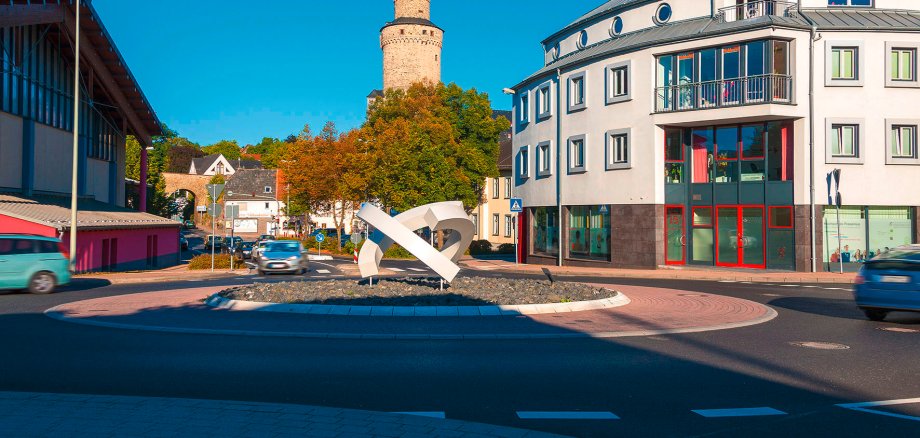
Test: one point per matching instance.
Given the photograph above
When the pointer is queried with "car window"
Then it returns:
(901, 254)
(6, 246)
(284, 246)
(48, 247)
(17, 246)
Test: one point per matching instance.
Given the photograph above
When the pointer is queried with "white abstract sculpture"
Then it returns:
(400, 229)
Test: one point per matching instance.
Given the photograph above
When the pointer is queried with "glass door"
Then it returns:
(740, 237)
(675, 235)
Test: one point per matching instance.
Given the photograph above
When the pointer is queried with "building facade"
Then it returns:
(493, 219)
(37, 132)
(255, 193)
(411, 46)
(698, 133)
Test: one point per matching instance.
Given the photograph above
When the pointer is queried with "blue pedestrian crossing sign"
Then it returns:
(517, 205)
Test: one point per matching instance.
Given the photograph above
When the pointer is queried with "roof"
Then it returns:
(250, 184)
(204, 163)
(411, 20)
(608, 8)
(375, 94)
(240, 164)
(54, 212)
(826, 20)
(505, 159)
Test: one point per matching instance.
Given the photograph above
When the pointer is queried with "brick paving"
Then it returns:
(651, 311)
(682, 273)
(29, 414)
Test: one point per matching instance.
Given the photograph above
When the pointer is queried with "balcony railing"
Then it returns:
(755, 9)
(751, 90)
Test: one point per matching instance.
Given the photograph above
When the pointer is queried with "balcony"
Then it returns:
(756, 9)
(751, 90)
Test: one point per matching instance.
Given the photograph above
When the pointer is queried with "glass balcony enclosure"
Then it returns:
(740, 74)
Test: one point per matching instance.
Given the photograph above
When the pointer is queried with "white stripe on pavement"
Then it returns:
(739, 412)
(863, 407)
(323, 271)
(566, 415)
(417, 270)
(429, 414)
(396, 269)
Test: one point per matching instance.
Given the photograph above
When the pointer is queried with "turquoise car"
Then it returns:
(33, 263)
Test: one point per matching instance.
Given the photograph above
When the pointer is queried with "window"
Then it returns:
(781, 217)
(545, 231)
(268, 189)
(475, 219)
(673, 156)
(703, 235)
(845, 139)
(901, 65)
(618, 155)
(844, 64)
(577, 92)
(901, 141)
(577, 154)
(524, 109)
(741, 153)
(779, 151)
(616, 27)
(618, 86)
(524, 162)
(582, 39)
(509, 226)
(589, 232)
(663, 14)
(854, 3)
(495, 224)
(544, 101)
(544, 159)
(267, 207)
(496, 188)
(507, 188)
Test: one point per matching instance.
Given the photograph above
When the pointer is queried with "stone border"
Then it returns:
(220, 302)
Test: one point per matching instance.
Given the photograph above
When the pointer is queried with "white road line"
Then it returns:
(323, 271)
(396, 269)
(566, 415)
(863, 407)
(789, 285)
(418, 270)
(727, 281)
(739, 412)
(810, 287)
(431, 414)
(834, 288)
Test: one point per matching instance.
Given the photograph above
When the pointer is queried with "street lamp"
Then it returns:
(76, 145)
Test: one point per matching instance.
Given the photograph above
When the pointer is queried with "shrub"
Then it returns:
(480, 247)
(506, 248)
(398, 252)
(221, 261)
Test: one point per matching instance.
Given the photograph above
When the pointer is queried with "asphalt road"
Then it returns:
(652, 384)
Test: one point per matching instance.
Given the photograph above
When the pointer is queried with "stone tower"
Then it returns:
(411, 46)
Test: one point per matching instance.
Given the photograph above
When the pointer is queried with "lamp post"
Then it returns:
(76, 145)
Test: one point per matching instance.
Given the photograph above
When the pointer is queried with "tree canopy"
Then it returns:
(229, 148)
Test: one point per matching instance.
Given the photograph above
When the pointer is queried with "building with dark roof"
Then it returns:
(256, 193)
(701, 133)
(215, 164)
(37, 130)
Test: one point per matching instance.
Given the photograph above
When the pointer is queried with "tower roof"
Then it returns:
(411, 20)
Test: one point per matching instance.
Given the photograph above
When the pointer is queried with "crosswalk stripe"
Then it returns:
(323, 271)
(396, 269)
(429, 414)
(566, 415)
(738, 412)
(416, 269)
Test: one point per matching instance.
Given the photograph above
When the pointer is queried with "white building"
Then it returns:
(688, 132)
(255, 193)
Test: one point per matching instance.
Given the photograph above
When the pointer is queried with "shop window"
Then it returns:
(726, 162)
(702, 146)
(779, 151)
(674, 156)
(780, 217)
(546, 231)
(703, 235)
(889, 228)
(853, 246)
(752, 153)
(589, 232)
(781, 238)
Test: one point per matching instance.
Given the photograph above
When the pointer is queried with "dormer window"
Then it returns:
(851, 3)
(663, 14)
(582, 40)
(268, 189)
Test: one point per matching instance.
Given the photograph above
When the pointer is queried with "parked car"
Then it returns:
(183, 243)
(189, 224)
(265, 237)
(286, 256)
(231, 242)
(34, 263)
(243, 250)
(213, 241)
(889, 282)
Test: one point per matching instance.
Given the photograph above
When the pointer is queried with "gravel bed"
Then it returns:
(419, 292)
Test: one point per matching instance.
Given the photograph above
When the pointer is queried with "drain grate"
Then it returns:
(898, 330)
(820, 345)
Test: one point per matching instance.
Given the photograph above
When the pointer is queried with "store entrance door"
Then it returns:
(740, 237)
(675, 234)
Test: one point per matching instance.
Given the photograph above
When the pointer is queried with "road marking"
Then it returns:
(727, 281)
(566, 415)
(323, 271)
(810, 287)
(863, 407)
(789, 285)
(396, 269)
(417, 270)
(430, 414)
(834, 288)
(738, 412)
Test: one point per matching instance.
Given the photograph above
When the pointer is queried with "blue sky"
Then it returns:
(243, 70)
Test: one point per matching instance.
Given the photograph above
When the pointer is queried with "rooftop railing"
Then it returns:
(756, 9)
(750, 90)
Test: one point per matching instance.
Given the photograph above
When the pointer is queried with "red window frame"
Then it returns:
(712, 219)
(770, 219)
(683, 228)
(764, 228)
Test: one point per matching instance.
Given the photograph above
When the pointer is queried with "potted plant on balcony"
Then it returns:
(674, 173)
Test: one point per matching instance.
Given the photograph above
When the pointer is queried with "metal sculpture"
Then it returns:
(400, 229)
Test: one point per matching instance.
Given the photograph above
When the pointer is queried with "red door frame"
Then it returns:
(763, 235)
(683, 230)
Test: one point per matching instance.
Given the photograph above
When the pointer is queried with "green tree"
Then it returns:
(229, 148)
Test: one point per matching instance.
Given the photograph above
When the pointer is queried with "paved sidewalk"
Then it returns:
(174, 273)
(28, 414)
(681, 273)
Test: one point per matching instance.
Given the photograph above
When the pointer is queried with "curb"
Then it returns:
(220, 302)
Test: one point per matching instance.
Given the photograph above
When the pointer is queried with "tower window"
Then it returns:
(424, 32)
(402, 31)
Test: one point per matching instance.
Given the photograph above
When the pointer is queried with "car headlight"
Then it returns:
(293, 258)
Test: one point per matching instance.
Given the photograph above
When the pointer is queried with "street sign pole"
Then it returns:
(837, 201)
(214, 190)
(517, 206)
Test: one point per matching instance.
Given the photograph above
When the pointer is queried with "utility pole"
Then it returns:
(76, 145)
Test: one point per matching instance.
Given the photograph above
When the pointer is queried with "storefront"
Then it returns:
(864, 232)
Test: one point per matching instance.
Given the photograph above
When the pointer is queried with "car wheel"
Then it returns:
(42, 283)
(875, 314)
(261, 273)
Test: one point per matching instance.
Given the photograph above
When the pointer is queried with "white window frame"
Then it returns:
(849, 5)
(524, 108)
(507, 180)
(509, 226)
(496, 223)
(574, 92)
(891, 124)
(544, 155)
(610, 152)
(891, 46)
(575, 167)
(544, 99)
(859, 156)
(496, 187)
(523, 164)
(610, 74)
(475, 218)
(859, 64)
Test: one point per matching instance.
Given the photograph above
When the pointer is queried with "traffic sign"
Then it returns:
(356, 238)
(215, 190)
(232, 212)
(604, 209)
(320, 237)
(517, 205)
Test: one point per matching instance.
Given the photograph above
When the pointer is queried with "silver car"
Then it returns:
(284, 256)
